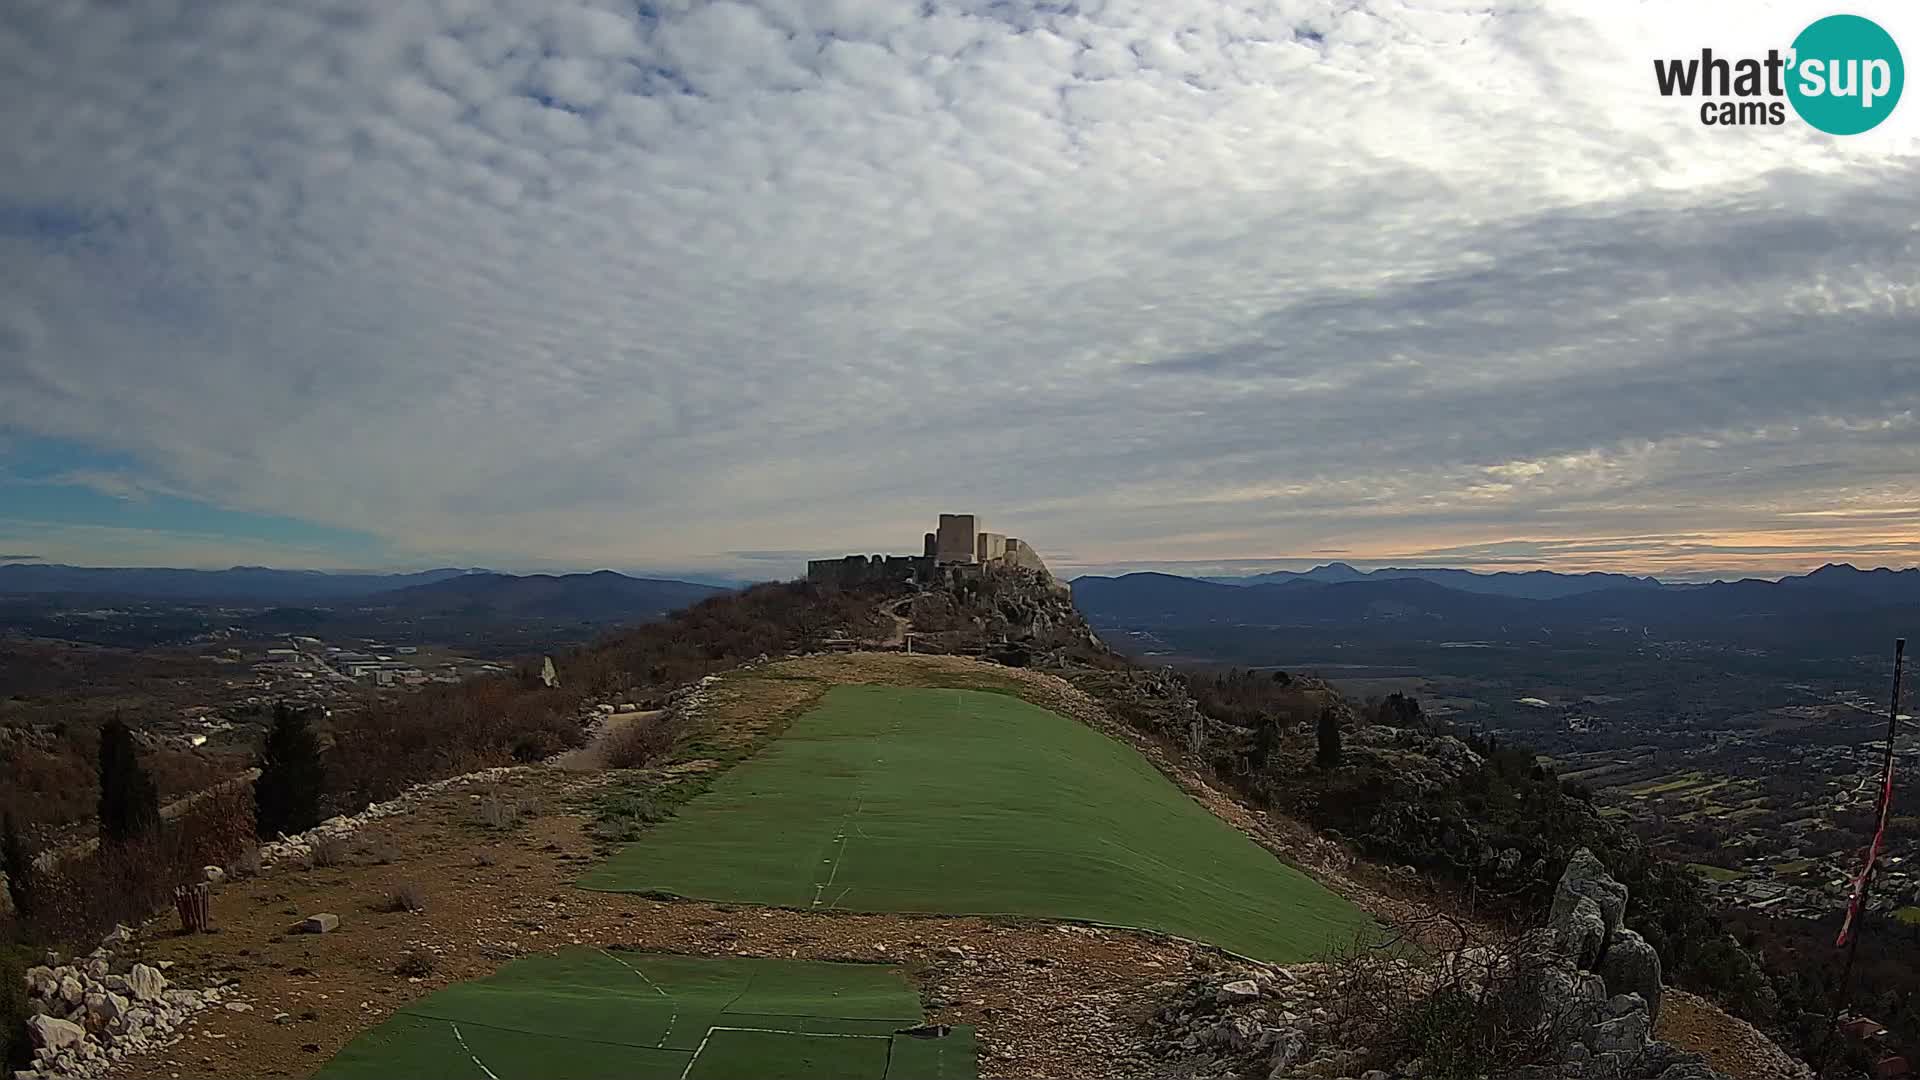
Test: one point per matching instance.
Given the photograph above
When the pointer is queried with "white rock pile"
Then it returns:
(89, 1014)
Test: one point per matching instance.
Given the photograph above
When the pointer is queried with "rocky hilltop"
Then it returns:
(1525, 936)
(1577, 999)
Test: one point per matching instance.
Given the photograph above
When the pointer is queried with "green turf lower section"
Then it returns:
(965, 802)
(948, 1058)
(584, 1014)
(767, 1056)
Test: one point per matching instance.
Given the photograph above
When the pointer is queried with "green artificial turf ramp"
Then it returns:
(966, 802)
(587, 1014)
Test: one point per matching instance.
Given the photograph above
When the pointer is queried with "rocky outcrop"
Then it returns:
(1584, 991)
(1259, 1022)
(87, 1015)
(1589, 908)
(1630, 966)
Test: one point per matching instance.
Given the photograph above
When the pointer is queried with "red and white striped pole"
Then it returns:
(1857, 906)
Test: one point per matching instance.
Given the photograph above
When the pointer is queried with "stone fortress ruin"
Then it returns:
(956, 550)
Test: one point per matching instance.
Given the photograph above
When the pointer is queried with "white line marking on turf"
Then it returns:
(684, 1073)
(673, 1016)
(803, 1034)
(469, 1050)
(852, 816)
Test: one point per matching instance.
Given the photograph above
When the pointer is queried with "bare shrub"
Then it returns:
(448, 730)
(409, 897)
(328, 851)
(16, 1045)
(415, 964)
(484, 858)
(622, 814)
(640, 743)
(246, 864)
(1475, 1008)
(381, 852)
(77, 900)
(496, 812)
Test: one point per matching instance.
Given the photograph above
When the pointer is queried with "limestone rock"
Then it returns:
(1631, 966)
(145, 983)
(1587, 877)
(1627, 1034)
(323, 923)
(1240, 990)
(55, 1034)
(1582, 932)
(1235, 1033)
(1288, 1046)
(72, 990)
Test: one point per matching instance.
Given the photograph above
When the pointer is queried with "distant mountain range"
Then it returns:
(1531, 584)
(603, 596)
(1835, 600)
(257, 584)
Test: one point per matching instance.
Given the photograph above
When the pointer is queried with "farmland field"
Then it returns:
(589, 1013)
(967, 802)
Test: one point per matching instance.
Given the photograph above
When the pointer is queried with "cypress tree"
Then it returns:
(286, 797)
(17, 861)
(129, 803)
(1329, 732)
(16, 1045)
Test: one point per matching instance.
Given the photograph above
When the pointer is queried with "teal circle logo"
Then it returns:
(1847, 75)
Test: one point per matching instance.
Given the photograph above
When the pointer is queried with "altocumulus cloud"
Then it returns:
(1151, 279)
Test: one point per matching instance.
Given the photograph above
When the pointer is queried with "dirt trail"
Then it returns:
(902, 624)
(593, 756)
(1730, 1044)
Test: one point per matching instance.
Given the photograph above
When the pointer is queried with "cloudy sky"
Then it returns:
(718, 285)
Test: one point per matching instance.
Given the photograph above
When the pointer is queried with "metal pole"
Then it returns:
(1866, 875)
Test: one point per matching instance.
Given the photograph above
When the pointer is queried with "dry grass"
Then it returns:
(495, 812)
(328, 851)
(408, 897)
(416, 964)
(246, 864)
(638, 743)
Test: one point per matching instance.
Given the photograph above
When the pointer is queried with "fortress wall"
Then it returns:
(856, 570)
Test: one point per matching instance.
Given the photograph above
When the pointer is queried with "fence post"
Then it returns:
(196, 907)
